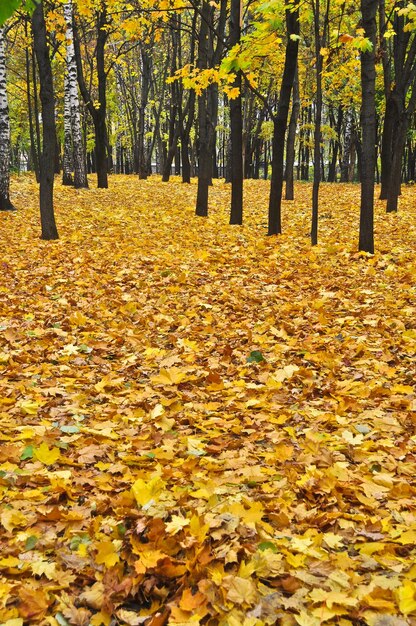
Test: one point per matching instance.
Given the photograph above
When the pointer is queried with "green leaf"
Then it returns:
(70, 430)
(78, 539)
(255, 357)
(61, 620)
(8, 7)
(84, 348)
(27, 453)
(121, 530)
(267, 545)
(31, 542)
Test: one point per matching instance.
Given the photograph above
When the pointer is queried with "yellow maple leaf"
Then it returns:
(332, 540)
(332, 597)
(10, 519)
(176, 524)
(249, 516)
(306, 619)
(29, 407)
(107, 553)
(44, 568)
(197, 528)
(145, 492)
(149, 559)
(406, 597)
(240, 590)
(46, 456)
(100, 619)
(169, 376)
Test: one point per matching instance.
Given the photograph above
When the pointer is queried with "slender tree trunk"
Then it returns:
(36, 107)
(186, 130)
(317, 136)
(204, 145)
(280, 122)
(332, 171)
(399, 146)
(97, 111)
(33, 147)
(291, 136)
(236, 124)
(49, 230)
(68, 161)
(368, 127)
(387, 141)
(144, 97)
(79, 161)
(100, 124)
(5, 204)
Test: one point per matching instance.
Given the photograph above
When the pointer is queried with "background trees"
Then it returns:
(197, 89)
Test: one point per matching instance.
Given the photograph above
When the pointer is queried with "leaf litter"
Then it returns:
(201, 424)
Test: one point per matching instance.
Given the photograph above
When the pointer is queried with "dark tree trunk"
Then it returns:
(291, 136)
(186, 131)
(236, 125)
(317, 135)
(205, 142)
(33, 147)
(144, 97)
(368, 127)
(399, 146)
(36, 108)
(100, 125)
(97, 112)
(390, 123)
(280, 122)
(49, 230)
(332, 170)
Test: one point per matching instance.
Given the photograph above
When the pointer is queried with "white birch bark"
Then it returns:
(5, 204)
(80, 172)
(68, 162)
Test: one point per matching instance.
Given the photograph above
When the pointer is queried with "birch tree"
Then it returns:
(72, 108)
(5, 204)
(68, 160)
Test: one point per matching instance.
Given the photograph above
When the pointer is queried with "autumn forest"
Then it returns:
(207, 313)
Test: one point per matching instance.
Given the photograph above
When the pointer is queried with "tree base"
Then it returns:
(6, 205)
(67, 180)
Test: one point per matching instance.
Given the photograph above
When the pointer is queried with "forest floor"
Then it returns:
(203, 425)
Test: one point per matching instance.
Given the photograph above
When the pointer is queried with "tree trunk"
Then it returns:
(80, 170)
(5, 204)
(399, 146)
(280, 122)
(33, 147)
(368, 127)
(236, 125)
(47, 160)
(68, 161)
(317, 135)
(291, 136)
(204, 144)
(144, 97)
(391, 116)
(332, 170)
(97, 111)
(100, 124)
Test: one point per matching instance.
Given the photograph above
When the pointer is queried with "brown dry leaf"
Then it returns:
(33, 603)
